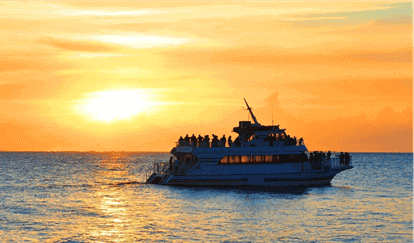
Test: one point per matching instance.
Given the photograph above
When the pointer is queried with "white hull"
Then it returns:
(253, 181)
(298, 178)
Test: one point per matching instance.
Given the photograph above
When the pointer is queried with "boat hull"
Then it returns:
(314, 178)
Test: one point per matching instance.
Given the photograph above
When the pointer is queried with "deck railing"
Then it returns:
(336, 162)
(219, 144)
(159, 168)
(196, 144)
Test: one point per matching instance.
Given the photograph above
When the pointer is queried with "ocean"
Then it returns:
(101, 197)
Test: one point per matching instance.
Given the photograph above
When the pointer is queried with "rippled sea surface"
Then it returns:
(101, 197)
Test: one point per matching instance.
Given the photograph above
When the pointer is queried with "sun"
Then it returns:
(114, 105)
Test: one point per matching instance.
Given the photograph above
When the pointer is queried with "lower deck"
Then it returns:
(287, 174)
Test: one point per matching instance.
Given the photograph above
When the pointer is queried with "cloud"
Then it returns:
(31, 61)
(286, 60)
(343, 91)
(105, 12)
(274, 55)
(395, 19)
(139, 40)
(77, 45)
(395, 13)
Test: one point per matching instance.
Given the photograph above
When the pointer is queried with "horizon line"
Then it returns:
(123, 151)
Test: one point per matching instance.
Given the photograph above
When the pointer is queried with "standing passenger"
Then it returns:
(230, 141)
(186, 140)
(223, 141)
(200, 140)
(214, 141)
(193, 141)
(171, 163)
(346, 158)
(207, 140)
(237, 142)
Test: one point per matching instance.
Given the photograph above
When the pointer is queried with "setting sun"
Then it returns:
(114, 105)
(137, 75)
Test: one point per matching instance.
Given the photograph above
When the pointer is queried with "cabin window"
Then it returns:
(282, 158)
(268, 158)
(224, 160)
(245, 159)
(234, 159)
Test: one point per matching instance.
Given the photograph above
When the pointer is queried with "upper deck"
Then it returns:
(251, 137)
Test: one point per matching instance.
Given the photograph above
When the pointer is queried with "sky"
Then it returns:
(134, 76)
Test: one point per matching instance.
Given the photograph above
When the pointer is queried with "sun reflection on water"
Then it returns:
(97, 197)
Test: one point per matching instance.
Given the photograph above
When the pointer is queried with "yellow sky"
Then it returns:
(135, 76)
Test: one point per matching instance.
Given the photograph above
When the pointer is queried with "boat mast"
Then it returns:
(251, 113)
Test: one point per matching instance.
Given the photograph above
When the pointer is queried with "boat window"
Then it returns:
(268, 158)
(245, 159)
(234, 159)
(224, 160)
(277, 135)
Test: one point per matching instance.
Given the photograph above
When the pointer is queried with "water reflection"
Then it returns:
(96, 197)
(112, 203)
(244, 190)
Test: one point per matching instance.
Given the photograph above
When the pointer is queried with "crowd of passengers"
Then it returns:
(205, 141)
(223, 142)
(288, 141)
(317, 157)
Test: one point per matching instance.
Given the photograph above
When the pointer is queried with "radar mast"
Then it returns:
(251, 113)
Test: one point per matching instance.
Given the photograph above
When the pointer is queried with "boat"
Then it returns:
(260, 156)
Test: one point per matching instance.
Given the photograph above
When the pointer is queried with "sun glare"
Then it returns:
(114, 105)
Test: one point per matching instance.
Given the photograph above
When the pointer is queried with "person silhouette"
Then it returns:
(230, 141)
(223, 141)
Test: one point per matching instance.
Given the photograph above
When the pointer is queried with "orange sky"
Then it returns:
(135, 76)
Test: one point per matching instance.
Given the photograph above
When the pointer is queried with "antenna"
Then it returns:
(251, 113)
(271, 107)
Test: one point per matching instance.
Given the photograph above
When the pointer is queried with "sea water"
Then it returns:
(101, 197)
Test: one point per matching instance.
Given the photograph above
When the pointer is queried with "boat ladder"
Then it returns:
(156, 172)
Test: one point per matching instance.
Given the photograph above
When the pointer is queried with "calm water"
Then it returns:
(100, 197)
